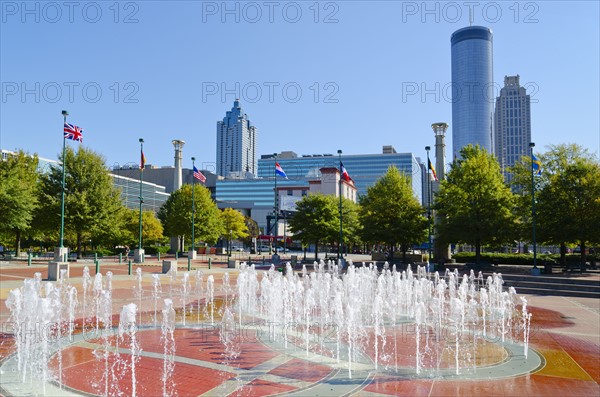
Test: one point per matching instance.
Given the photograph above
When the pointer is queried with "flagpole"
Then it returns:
(275, 203)
(62, 195)
(193, 204)
(427, 148)
(340, 245)
(531, 146)
(142, 165)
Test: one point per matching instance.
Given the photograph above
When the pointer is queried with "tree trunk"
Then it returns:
(78, 245)
(583, 256)
(563, 254)
(404, 248)
(17, 243)
(477, 251)
(317, 250)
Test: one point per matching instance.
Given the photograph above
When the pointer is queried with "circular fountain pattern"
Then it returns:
(344, 327)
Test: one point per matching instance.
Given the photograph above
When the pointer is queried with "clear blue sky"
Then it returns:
(157, 73)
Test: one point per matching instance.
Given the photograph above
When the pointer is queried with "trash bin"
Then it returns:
(547, 267)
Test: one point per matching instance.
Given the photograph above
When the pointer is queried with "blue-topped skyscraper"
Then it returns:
(236, 143)
(472, 88)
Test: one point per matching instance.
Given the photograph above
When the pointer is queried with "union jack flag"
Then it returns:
(73, 132)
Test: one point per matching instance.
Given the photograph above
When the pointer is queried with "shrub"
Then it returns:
(154, 249)
(506, 259)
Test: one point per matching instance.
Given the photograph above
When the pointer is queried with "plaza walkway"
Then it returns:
(565, 337)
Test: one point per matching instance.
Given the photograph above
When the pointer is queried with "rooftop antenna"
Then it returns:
(470, 16)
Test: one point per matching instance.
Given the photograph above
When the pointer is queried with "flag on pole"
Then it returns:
(432, 169)
(73, 132)
(198, 175)
(345, 174)
(279, 171)
(537, 165)
(142, 160)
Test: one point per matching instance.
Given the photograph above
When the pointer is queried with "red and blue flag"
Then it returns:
(345, 174)
(73, 132)
(279, 171)
(198, 175)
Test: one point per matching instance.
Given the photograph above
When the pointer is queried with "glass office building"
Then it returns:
(472, 88)
(236, 142)
(512, 121)
(255, 197)
(154, 195)
(364, 169)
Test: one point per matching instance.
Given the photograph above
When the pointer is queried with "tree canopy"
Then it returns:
(474, 205)
(176, 215)
(234, 224)
(18, 194)
(316, 220)
(152, 230)
(391, 214)
(567, 196)
(93, 205)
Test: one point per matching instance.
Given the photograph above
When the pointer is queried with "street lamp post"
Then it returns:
(531, 146)
(427, 149)
(140, 252)
(340, 244)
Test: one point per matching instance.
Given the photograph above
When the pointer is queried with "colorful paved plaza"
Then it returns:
(563, 360)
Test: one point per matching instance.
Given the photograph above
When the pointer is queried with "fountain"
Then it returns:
(364, 321)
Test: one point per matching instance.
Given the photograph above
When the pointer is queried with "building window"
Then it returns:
(290, 192)
(304, 193)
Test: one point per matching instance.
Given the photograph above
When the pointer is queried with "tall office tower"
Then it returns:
(512, 124)
(236, 143)
(472, 88)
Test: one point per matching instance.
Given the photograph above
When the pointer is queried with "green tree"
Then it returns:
(234, 225)
(18, 195)
(316, 220)
(567, 196)
(350, 222)
(93, 205)
(176, 215)
(391, 214)
(152, 230)
(474, 205)
(578, 187)
(253, 230)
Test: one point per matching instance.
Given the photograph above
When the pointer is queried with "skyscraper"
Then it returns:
(472, 88)
(236, 143)
(512, 124)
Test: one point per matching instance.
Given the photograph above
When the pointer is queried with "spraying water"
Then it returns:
(127, 330)
(168, 339)
(185, 290)
(156, 292)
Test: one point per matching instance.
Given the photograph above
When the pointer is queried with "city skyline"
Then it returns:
(369, 76)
